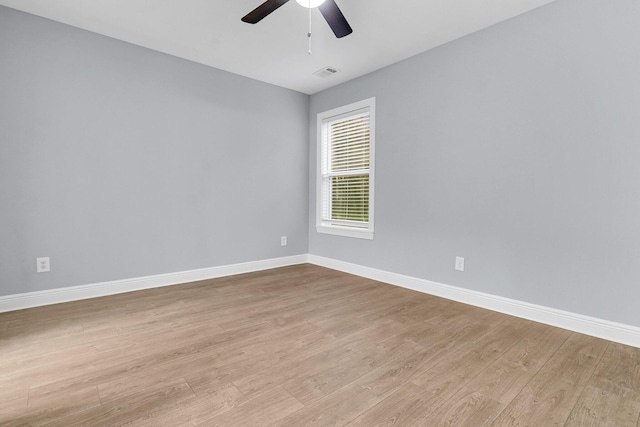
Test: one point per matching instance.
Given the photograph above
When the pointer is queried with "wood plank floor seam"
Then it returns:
(541, 367)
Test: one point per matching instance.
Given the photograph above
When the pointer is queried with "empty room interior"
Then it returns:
(353, 213)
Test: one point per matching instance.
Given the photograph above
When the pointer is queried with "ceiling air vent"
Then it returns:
(325, 72)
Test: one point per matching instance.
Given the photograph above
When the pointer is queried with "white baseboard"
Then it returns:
(75, 293)
(612, 331)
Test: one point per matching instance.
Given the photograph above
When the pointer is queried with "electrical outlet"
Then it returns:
(43, 264)
(459, 263)
(283, 241)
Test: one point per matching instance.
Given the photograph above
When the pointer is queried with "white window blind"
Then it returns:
(345, 170)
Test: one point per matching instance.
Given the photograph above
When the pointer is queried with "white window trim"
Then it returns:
(361, 233)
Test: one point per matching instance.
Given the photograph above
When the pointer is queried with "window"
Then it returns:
(345, 170)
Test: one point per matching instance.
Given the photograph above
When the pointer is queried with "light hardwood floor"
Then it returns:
(300, 346)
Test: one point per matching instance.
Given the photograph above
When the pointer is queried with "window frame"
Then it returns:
(346, 111)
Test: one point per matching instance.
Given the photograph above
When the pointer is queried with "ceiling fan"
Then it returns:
(328, 8)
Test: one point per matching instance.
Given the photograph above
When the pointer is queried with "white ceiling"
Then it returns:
(275, 50)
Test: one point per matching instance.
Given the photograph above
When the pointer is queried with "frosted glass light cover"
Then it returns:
(310, 3)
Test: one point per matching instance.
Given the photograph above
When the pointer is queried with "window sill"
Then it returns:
(345, 231)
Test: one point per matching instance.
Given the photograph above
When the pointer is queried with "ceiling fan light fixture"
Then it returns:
(310, 3)
(328, 8)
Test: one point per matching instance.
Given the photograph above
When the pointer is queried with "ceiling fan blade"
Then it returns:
(335, 18)
(262, 11)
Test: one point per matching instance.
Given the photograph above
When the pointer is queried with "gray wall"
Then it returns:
(120, 162)
(518, 148)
